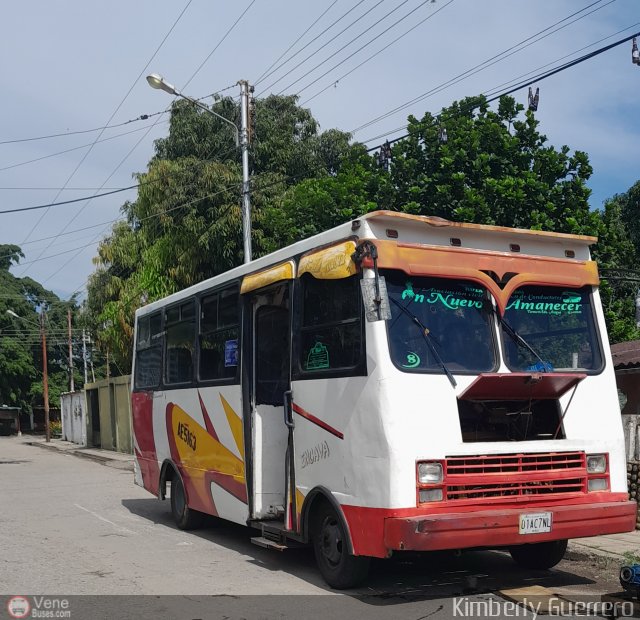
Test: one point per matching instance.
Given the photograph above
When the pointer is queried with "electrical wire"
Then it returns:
(510, 51)
(142, 117)
(361, 47)
(266, 71)
(331, 25)
(538, 78)
(314, 53)
(226, 34)
(75, 148)
(344, 75)
(135, 82)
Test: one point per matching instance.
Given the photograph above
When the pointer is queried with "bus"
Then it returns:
(397, 383)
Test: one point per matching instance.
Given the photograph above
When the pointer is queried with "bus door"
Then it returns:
(270, 384)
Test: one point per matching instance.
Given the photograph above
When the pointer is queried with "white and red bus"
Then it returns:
(396, 383)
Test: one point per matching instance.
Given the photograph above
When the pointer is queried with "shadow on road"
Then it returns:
(404, 578)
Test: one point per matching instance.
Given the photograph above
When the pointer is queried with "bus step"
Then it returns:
(261, 541)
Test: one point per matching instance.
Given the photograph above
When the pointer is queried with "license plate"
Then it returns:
(535, 523)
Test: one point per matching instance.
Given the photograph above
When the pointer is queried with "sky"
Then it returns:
(72, 66)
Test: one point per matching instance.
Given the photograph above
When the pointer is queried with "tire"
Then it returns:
(338, 567)
(539, 555)
(186, 518)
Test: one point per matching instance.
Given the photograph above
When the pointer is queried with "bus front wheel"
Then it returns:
(539, 555)
(186, 518)
(339, 568)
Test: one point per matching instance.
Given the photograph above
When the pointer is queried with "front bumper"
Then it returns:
(499, 528)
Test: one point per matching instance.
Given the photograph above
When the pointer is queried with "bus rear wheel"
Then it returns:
(339, 568)
(186, 518)
(539, 555)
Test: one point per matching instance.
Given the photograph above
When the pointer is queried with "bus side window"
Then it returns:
(331, 331)
(180, 327)
(219, 331)
(148, 352)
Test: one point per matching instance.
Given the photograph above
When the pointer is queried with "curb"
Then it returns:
(96, 458)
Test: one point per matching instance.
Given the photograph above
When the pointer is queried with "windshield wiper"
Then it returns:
(426, 334)
(520, 341)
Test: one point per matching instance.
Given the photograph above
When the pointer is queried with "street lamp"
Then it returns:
(45, 375)
(242, 139)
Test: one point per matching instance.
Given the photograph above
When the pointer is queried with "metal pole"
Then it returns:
(45, 377)
(638, 308)
(84, 355)
(71, 384)
(244, 144)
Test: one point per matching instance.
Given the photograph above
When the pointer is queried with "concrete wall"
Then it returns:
(628, 381)
(110, 426)
(74, 417)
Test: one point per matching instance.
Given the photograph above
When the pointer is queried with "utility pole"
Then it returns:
(244, 144)
(84, 354)
(71, 384)
(45, 376)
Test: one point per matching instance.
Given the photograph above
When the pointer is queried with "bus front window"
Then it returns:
(457, 315)
(559, 325)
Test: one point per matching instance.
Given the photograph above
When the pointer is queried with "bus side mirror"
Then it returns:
(375, 299)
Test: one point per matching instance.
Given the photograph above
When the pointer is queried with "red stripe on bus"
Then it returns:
(309, 416)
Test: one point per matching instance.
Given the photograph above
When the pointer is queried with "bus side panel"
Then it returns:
(146, 471)
(204, 438)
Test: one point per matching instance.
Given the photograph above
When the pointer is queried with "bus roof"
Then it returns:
(377, 225)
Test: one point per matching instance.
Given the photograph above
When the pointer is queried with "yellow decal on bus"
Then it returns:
(284, 271)
(331, 263)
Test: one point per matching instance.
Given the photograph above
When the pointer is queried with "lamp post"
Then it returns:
(45, 375)
(242, 140)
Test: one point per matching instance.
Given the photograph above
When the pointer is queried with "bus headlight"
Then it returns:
(596, 463)
(429, 473)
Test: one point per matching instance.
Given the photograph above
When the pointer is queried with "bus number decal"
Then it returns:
(186, 435)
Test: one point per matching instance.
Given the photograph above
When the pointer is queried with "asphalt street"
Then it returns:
(75, 528)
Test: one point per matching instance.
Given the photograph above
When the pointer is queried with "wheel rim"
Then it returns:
(331, 541)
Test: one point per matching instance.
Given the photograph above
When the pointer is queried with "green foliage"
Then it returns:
(20, 339)
(496, 168)
(185, 225)
(619, 248)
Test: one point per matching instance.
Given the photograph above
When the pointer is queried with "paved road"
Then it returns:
(70, 526)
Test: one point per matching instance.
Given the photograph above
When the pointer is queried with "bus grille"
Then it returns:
(510, 476)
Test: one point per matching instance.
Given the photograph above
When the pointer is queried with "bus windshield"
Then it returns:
(457, 315)
(559, 325)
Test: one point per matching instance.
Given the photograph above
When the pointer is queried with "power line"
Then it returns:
(334, 82)
(142, 117)
(331, 25)
(135, 82)
(538, 78)
(266, 71)
(523, 75)
(517, 47)
(226, 34)
(75, 148)
(355, 21)
(353, 41)
(67, 202)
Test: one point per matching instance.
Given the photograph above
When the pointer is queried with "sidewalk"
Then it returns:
(611, 545)
(117, 460)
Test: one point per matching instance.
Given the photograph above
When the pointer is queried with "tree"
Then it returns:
(619, 248)
(494, 168)
(185, 225)
(20, 341)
